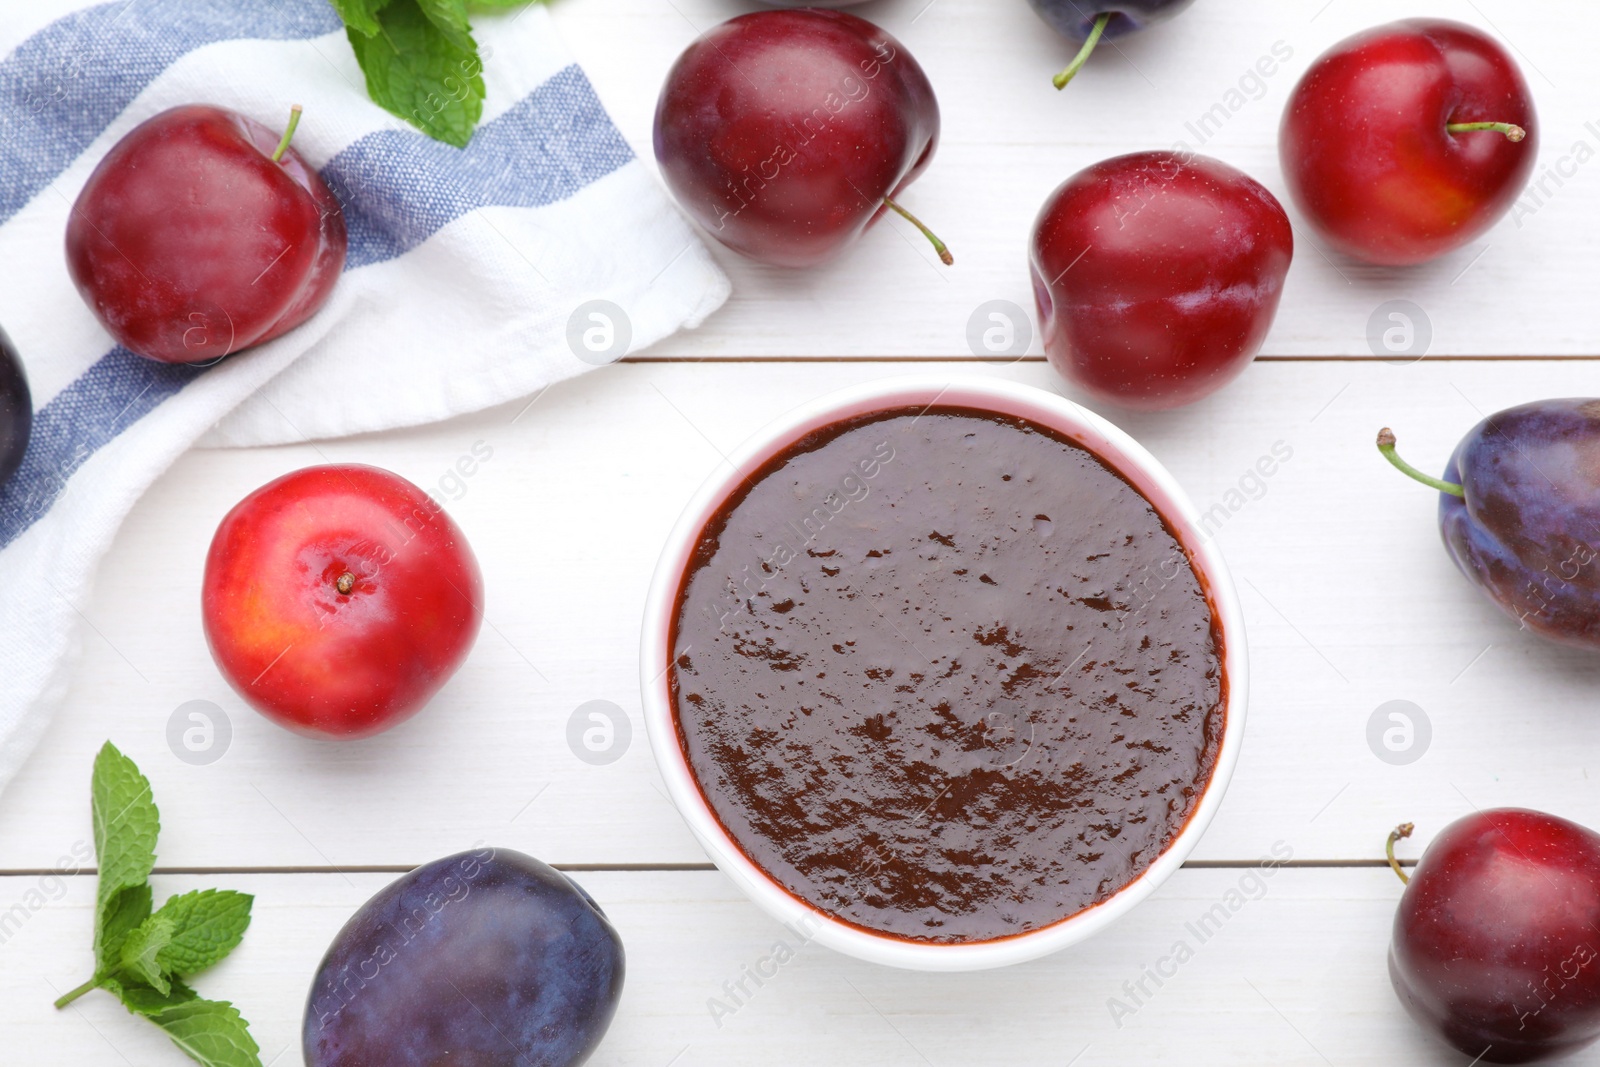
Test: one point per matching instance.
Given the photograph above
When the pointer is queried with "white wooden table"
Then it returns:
(1350, 600)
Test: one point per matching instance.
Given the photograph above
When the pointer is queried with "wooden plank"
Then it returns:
(1009, 138)
(1291, 968)
(1350, 602)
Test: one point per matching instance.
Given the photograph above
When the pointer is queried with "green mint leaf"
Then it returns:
(206, 927)
(141, 949)
(123, 915)
(211, 1032)
(126, 824)
(449, 17)
(359, 15)
(138, 954)
(414, 70)
(142, 1000)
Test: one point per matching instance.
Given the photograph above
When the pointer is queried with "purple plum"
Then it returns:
(1086, 22)
(16, 409)
(1519, 508)
(487, 958)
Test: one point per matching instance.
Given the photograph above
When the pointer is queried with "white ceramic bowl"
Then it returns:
(1009, 398)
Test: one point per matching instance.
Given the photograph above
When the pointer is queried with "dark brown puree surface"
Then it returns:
(946, 675)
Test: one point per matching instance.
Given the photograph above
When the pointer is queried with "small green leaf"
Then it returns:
(141, 949)
(414, 70)
(206, 927)
(142, 1000)
(123, 915)
(449, 17)
(359, 15)
(126, 824)
(211, 1033)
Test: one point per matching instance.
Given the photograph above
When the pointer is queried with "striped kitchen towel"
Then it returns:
(468, 270)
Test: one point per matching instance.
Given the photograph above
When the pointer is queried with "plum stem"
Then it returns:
(1084, 53)
(68, 998)
(1512, 131)
(938, 246)
(1401, 831)
(1386, 445)
(288, 134)
(346, 582)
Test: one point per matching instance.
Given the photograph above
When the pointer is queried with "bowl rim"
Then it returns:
(1003, 396)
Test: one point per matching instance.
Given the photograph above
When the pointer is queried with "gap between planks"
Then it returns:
(1007, 361)
(640, 868)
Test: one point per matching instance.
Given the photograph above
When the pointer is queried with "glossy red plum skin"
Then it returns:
(781, 132)
(1157, 276)
(1367, 155)
(1496, 944)
(189, 243)
(318, 661)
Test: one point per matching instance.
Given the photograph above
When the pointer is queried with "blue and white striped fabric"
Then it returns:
(464, 268)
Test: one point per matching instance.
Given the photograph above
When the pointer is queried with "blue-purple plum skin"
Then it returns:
(1528, 531)
(16, 409)
(1074, 19)
(487, 958)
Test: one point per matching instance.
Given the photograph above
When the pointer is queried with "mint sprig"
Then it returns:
(142, 957)
(420, 61)
(125, 827)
